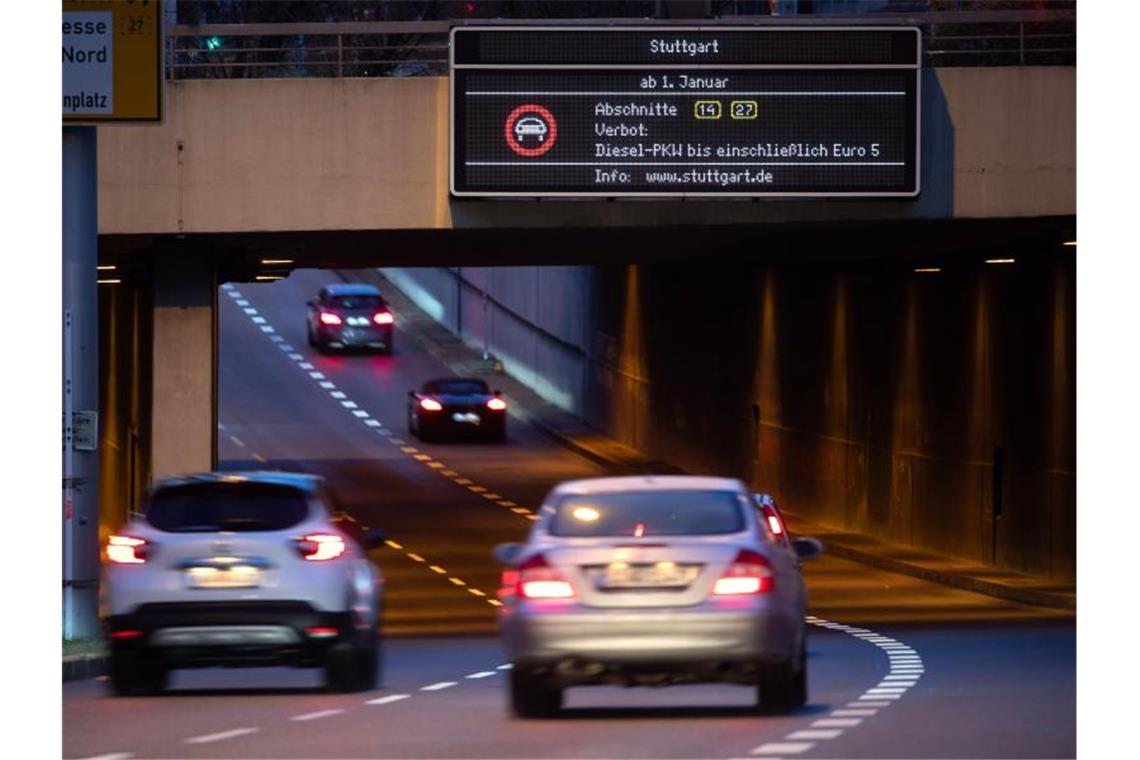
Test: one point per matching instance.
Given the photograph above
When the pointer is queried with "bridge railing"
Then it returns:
(419, 48)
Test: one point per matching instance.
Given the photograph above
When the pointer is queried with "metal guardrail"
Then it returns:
(418, 48)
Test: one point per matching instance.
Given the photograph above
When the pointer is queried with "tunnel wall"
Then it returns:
(258, 155)
(868, 398)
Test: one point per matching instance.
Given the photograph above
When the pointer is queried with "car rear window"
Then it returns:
(648, 513)
(357, 302)
(237, 507)
(456, 387)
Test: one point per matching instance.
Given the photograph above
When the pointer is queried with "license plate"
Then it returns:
(661, 574)
(238, 576)
(469, 418)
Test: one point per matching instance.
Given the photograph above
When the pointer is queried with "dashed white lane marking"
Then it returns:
(337, 394)
(259, 457)
(905, 670)
(221, 735)
(257, 320)
(306, 365)
(250, 310)
(821, 733)
(240, 301)
(481, 674)
(316, 715)
(327, 385)
(237, 440)
(317, 375)
(836, 722)
(359, 413)
(508, 666)
(783, 748)
(347, 404)
(388, 699)
(373, 423)
(438, 686)
(296, 357)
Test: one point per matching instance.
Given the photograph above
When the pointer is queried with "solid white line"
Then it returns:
(783, 748)
(206, 739)
(388, 699)
(826, 733)
(836, 722)
(438, 686)
(481, 674)
(316, 715)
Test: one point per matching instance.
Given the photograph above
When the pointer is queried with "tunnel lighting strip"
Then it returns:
(905, 669)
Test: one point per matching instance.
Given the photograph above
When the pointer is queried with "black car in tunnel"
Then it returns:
(350, 315)
(457, 407)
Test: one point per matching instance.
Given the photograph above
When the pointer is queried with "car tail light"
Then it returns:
(328, 318)
(383, 318)
(749, 573)
(536, 579)
(322, 632)
(430, 405)
(496, 404)
(126, 634)
(128, 550)
(774, 523)
(318, 547)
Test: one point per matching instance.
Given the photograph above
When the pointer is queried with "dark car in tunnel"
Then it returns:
(350, 315)
(457, 407)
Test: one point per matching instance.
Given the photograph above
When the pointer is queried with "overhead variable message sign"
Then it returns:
(112, 61)
(775, 111)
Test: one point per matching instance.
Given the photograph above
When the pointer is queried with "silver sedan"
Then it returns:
(654, 580)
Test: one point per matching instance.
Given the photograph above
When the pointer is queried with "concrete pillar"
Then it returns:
(184, 392)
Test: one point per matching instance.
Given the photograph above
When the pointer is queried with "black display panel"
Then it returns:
(668, 111)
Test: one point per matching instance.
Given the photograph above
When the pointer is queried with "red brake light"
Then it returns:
(328, 318)
(383, 318)
(128, 550)
(496, 404)
(318, 547)
(126, 634)
(430, 405)
(536, 579)
(749, 573)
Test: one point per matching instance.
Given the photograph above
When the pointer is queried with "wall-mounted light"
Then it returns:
(109, 282)
(105, 267)
(1070, 243)
(927, 270)
(1000, 261)
(277, 261)
(269, 277)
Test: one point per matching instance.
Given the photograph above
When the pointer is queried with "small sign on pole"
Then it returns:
(112, 61)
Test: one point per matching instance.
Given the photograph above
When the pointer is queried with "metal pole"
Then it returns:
(81, 379)
(68, 475)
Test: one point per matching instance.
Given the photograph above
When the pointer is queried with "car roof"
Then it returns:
(352, 289)
(300, 480)
(649, 483)
(435, 380)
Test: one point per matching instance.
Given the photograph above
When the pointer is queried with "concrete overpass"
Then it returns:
(353, 173)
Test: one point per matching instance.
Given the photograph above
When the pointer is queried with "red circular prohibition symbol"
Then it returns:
(547, 139)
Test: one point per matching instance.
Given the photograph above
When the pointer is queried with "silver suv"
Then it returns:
(242, 569)
(653, 580)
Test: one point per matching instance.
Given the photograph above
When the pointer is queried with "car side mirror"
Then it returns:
(507, 553)
(412, 394)
(807, 547)
(374, 538)
(497, 392)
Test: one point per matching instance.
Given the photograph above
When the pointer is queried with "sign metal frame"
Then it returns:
(704, 29)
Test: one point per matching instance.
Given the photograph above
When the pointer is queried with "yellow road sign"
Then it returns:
(112, 60)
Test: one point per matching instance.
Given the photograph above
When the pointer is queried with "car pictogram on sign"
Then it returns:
(530, 130)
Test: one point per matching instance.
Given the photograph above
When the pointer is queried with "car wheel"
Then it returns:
(389, 348)
(131, 674)
(309, 334)
(533, 696)
(783, 688)
(343, 668)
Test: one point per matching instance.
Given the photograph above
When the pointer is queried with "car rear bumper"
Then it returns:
(630, 637)
(356, 336)
(200, 634)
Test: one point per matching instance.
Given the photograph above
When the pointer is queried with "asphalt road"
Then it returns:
(917, 670)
